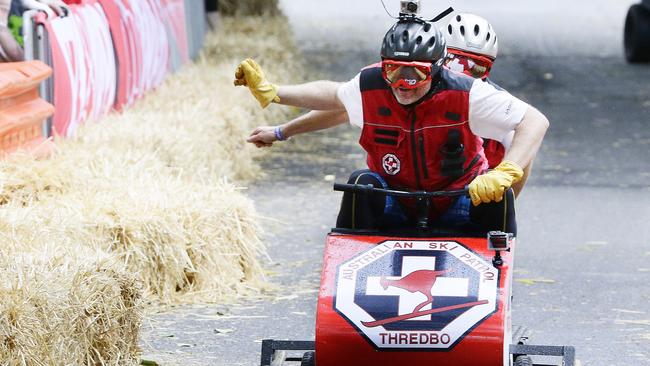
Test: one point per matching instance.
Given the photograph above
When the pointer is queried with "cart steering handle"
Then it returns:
(370, 189)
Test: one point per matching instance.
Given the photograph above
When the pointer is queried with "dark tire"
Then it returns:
(646, 3)
(523, 360)
(637, 34)
(308, 359)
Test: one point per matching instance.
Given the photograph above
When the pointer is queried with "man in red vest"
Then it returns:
(421, 125)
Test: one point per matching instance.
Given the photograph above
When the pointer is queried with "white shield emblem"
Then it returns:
(416, 294)
(391, 164)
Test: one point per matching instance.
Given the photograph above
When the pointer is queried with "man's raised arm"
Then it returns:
(316, 95)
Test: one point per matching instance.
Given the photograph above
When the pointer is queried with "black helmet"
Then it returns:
(414, 40)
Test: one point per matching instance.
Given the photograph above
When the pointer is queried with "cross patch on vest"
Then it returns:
(391, 164)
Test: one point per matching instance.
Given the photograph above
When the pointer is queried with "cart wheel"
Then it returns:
(637, 34)
(523, 360)
(308, 359)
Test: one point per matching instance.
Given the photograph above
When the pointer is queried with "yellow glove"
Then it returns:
(250, 74)
(491, 185)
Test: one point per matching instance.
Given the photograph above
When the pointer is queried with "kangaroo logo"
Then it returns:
(421, 281)
(416, 294)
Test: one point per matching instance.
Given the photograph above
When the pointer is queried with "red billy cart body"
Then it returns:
(419, 296)
(387, 301)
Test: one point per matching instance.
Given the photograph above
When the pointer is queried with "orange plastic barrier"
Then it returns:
(22, 111)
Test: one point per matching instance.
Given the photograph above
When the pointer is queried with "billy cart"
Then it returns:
(421, 296)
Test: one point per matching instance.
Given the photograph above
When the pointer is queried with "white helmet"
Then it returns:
(471, 33)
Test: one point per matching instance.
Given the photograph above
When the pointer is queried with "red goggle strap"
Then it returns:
(485, 60)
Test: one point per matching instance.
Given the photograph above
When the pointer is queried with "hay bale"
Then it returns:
(53, 313)
(153, 184)
(143, 205)
(33, 180)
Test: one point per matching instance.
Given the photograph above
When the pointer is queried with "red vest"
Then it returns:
(426, 146)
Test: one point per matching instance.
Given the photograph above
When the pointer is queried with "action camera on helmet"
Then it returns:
(409, 8)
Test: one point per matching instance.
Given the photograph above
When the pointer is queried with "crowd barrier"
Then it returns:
(84, 65)
(142, 47)
(108, 53)
(22, 111)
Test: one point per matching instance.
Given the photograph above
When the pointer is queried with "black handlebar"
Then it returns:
(422, 198)
(370, 189)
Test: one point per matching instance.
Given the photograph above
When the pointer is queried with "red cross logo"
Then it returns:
(391, 164)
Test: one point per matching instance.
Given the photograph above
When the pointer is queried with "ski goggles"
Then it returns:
(406, 74)
(476, 66)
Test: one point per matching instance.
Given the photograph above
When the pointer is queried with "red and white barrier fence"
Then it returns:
(153, 44)
(84, 66)
(108, 53)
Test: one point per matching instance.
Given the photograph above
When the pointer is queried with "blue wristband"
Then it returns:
(278, 134)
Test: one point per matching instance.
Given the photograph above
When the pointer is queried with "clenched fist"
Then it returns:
(250, 74)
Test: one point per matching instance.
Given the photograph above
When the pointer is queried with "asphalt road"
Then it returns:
(583, 218)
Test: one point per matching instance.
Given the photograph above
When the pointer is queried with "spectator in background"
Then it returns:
(11, 47)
